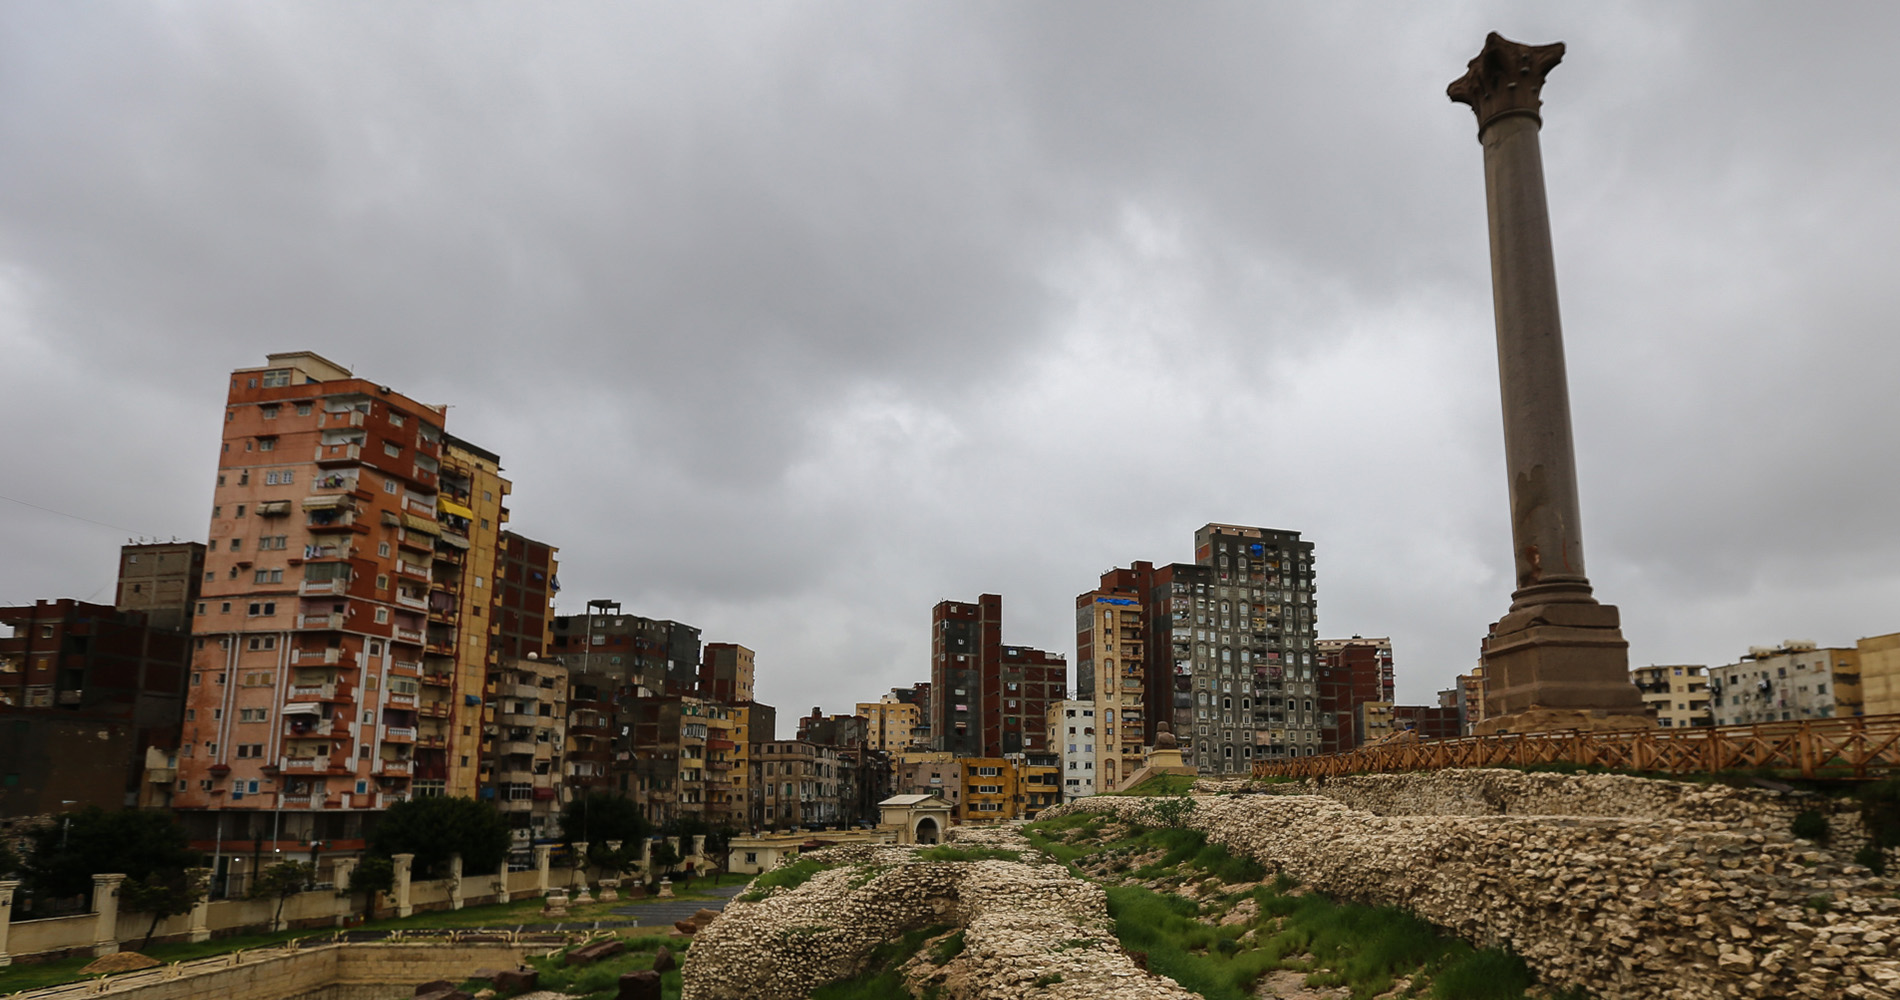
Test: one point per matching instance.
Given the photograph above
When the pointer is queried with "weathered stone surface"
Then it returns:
(517, 980)
(643, 985)
(588, 954)
(434, 986)
(663, 960)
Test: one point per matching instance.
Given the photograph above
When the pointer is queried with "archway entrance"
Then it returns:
(927, 831)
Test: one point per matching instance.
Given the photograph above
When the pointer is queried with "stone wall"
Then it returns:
(1639, 898)
(1507, 792)
(1024, 925)
(360, 971)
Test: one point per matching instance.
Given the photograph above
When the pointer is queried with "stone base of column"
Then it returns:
(1554, 667)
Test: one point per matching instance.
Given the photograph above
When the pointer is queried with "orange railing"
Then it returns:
(1859, 747)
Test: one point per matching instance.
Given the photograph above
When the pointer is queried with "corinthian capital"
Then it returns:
(1505, 78)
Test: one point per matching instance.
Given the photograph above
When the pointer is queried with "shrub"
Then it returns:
(1873, 857)
(1810, 824)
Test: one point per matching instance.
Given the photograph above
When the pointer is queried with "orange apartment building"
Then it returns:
(313, 623)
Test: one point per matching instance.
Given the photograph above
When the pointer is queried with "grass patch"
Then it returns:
(882, 980)
(601, 980)
(947, 852)
(943, 951)
(1161, 784)
(783, 877)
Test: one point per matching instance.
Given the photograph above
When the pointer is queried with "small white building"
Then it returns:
(1072, 737)
(1787, 683)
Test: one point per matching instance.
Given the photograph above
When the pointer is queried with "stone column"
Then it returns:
(342, 870)
(455, 881)
(403, 863)
(502, 895)
(1558, 659)
(6, 916)
(200, 927)
(579, 865)
(699, 849)
(105, 903)
(541, 857)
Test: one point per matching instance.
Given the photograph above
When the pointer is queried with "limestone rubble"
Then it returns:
(1624, 887)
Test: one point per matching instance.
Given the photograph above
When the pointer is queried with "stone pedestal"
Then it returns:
(666, 888)
(105, 903)
(556, 905)
(455, 881)
(403, 862)
(7, 888)
(609, 890)
(1558, 659)
(200, 925)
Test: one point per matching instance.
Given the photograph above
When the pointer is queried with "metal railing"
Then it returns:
(1856, 747)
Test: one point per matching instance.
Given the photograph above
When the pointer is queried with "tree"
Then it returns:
(137, 843)
(164, 895)
(434, 828)
(9, 861)
(598, 817)
(282, 880)
(372, 875)
(664, 858)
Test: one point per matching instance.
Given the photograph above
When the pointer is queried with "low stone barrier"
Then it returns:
(1620, 905)
(1028, 930)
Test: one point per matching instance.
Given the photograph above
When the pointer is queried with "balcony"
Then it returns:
(439, 679)
(409, 601)
(400, 734)
(409, 636)
(431, 742)
(439, 648)
(392, 767)
(323, 587)
(317, 729)
(517, 747)
(320, 621)
(313, 692)
(402, 698)
(339, 454)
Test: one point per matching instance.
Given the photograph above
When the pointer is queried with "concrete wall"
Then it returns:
(332, 972)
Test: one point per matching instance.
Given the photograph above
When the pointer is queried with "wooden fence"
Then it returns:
(1859, 747)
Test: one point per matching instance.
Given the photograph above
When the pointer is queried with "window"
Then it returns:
(303, 409)
(263, 609)
(395, 419)
(263, 642)
(268, 576)
(389, 486)
(382, 615)
(269, 411)
(391, 449)
(382, 549)
(266, 444)
(237, 543)
(240, 507)
(274, 378)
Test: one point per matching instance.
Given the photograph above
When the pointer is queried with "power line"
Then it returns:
(62, 513)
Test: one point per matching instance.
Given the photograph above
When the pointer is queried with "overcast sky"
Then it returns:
(790, 320)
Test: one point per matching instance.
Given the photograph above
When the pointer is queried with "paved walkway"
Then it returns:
(663, 913)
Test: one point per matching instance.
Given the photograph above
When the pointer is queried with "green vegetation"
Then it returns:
(435, 827)
(601, 980)
(62, 857)
(598, 817)
(789, 876)
(1810, 824)
(943, 951)
(163, 894)
(1872, 858)
(1162, 784)
(881, 980)
(1202, 916)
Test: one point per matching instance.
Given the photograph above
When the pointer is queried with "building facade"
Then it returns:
(1073, 739)
(309, 632)
(1349, 673)
(1111, 676)
(160, 581)
(1678, 693)
(1786, 683)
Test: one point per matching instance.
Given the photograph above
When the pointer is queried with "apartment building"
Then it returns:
(1785, 683)
(1879, 659)
(656, 656)
(85, 691)
(988, 697)
(160, 581)
(928, 772)
(892, 720)
(1677, 693)
(795, 784)
(464, 606)
(524, 740)
(309, 632)
(1010, 787)
(1073, 739)
(1349, 673)
(591, 730)
(1111, 668)
(725, 673)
